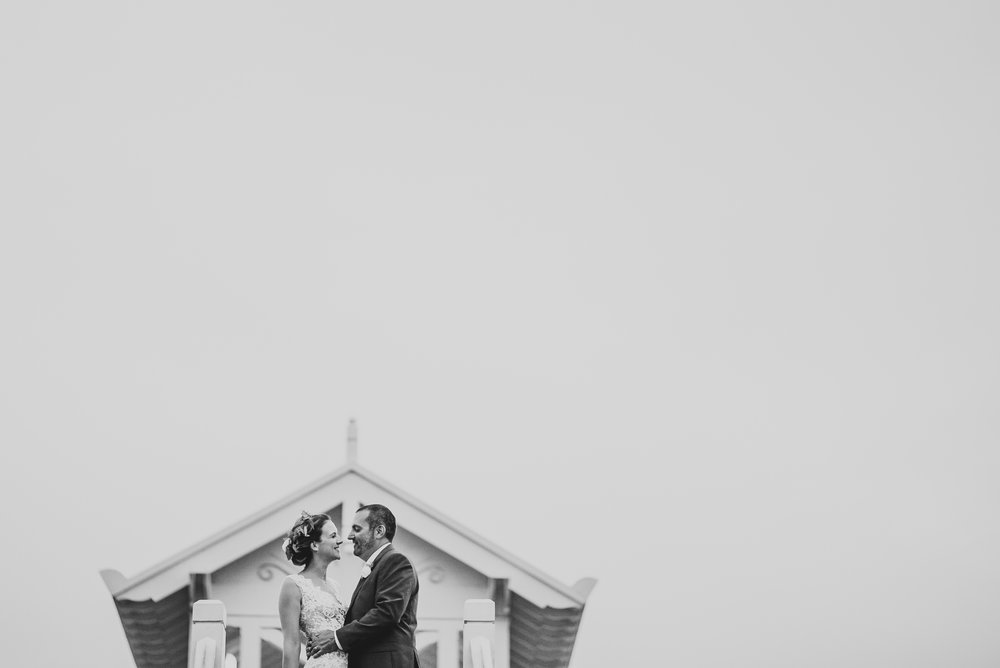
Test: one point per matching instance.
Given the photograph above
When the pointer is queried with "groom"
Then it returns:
(378, 630)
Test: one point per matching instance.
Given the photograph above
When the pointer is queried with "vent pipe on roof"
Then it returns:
(352, 442)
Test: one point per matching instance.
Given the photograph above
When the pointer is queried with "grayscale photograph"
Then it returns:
(500, 335)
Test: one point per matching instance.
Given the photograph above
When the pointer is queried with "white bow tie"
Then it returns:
(366, 570)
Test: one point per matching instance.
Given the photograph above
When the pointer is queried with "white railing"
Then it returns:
(479, 633)
(207, 646)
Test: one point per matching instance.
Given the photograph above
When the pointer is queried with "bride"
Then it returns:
(309, 602)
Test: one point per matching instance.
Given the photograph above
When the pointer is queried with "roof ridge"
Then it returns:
(163, 564)
(474, 536)
(121, 585)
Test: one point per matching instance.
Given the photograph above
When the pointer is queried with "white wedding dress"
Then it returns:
(321, 611)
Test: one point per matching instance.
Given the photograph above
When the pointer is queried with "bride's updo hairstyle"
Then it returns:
(307, 530)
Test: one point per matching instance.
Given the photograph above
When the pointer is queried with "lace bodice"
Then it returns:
(321, 611)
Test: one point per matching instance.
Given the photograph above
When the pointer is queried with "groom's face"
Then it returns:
(361, 534)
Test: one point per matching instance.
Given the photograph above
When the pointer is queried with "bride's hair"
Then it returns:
(298, 542)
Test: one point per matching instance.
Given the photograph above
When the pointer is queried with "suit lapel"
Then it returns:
(354, 596)
(363, 581)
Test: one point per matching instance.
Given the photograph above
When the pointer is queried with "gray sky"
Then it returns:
(706, 292)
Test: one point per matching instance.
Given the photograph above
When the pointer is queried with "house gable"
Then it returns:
(243, 566)
(261, 533)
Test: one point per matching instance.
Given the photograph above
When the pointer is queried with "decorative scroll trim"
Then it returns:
(435, 572)
(266, 571)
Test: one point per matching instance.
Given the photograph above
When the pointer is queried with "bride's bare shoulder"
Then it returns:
(290, 587)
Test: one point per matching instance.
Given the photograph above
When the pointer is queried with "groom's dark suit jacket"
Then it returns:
(381, 620)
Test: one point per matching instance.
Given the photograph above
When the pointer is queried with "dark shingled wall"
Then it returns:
(158, 631)
(541, 637)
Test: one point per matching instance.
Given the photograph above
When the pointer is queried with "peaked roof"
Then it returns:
(153, 605)
(355, 482)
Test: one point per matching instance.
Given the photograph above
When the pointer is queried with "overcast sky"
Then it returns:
(697, 299)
